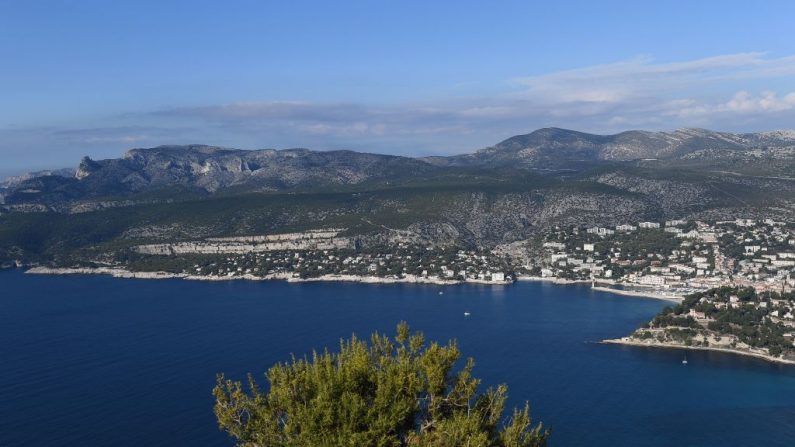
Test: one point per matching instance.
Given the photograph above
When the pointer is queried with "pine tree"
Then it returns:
(387, 393)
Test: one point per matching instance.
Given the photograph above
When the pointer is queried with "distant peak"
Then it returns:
(86, 167)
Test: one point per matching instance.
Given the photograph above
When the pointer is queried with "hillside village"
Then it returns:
(672, 258)
(675, 256)
(738, 319)
(305, 259)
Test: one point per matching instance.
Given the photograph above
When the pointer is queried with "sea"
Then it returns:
(101, 361)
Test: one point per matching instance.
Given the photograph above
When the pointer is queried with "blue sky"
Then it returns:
(98, 77)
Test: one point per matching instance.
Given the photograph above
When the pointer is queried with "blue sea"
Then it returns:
(98, 361)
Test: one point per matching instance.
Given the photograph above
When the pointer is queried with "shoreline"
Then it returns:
(117, 272)
(640, 294)
(624, 341)
(553, 280)
(601, 288)
(288, 277)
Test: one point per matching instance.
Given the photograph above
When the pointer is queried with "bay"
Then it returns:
(92, 360)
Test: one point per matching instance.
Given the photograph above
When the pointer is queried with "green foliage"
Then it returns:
(646, 241)
(748, 322)
(390, 392)
(666, 320)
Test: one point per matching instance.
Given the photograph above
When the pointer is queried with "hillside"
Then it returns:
(562, 149)
(496, 196)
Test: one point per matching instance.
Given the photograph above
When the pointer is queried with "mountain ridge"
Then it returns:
(206, 169)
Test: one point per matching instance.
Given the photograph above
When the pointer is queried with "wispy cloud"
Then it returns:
(636, 92)
(744, 91)
(642, 77)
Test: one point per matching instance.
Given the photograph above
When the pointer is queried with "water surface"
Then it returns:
(91, 360)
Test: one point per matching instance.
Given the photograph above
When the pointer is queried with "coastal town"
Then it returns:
(401, 263)
(735, 319)
(669, 259)
(675, 257)
(733, 280)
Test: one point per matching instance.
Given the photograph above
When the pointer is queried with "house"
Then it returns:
(674, 223)
(652, 280)
(599, 231)
(649, 225)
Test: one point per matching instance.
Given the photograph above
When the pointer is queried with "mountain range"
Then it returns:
(207, 169)
(499, 195)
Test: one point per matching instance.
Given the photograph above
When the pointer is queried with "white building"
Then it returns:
(648, 225)
(600, 231)
(674, 223)
(652, 280)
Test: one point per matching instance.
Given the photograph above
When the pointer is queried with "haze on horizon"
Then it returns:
(96, 78)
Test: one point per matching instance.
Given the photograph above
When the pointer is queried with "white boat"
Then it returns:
(684, 362)
(466, 314)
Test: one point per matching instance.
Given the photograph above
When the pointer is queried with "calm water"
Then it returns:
(101, 361)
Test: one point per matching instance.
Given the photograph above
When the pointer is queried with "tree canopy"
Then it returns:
(390, 392)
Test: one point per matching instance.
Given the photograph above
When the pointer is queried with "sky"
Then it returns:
(401, 77)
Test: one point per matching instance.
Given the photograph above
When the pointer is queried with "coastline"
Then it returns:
(640, 294)
(127, 274)
(117, 272)
(632, 293)
(553, 280)
(626, 341)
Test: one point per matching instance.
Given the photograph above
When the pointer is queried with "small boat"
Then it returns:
(441, 293)
(684, 362)
(466, 314)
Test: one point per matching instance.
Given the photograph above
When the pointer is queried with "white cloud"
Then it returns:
(734, 92)
(642, 77)
(745, 102)
(634, 93)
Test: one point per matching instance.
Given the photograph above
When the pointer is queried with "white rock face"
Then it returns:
(325, 239)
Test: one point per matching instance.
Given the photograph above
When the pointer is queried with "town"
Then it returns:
(398, 263)
(737, 319)
(675, 257)
(671, 258)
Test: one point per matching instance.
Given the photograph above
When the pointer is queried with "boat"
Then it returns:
(441, 293)
(466, 314)
(684, 362)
